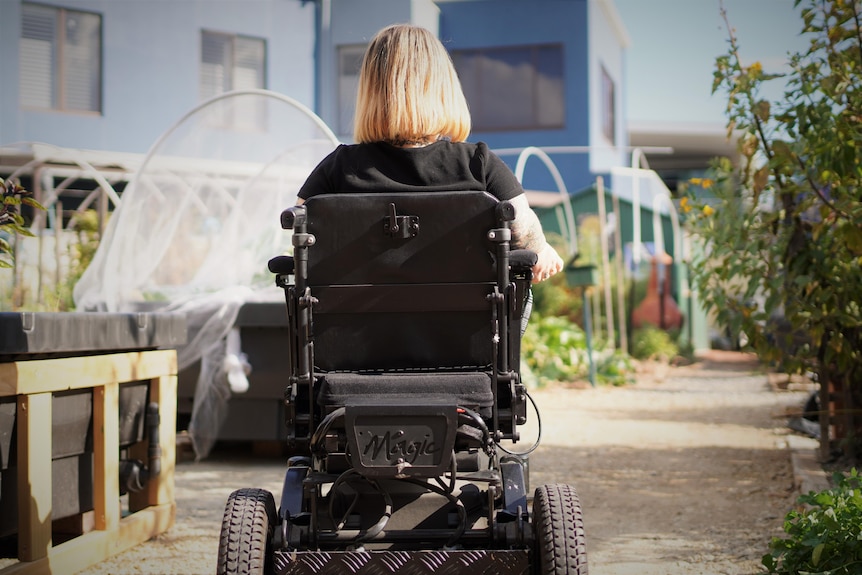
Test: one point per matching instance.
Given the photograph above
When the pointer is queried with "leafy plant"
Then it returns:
(86, 226)
(554, 349)
(11, 221)
(615, 369)
(826, 538)
(651, 342)
(785, 227)
(554, 297)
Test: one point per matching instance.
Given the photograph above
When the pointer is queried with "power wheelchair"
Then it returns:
(404, 314)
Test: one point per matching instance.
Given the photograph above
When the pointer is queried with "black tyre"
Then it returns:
(558, 525)
(246, 531)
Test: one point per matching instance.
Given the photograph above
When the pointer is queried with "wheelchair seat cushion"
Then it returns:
(466, 389)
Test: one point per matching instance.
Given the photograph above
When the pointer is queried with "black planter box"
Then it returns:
(35, 336)
(38, 335)
(258, 414)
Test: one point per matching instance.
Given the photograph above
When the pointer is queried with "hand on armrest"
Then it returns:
(548, 263)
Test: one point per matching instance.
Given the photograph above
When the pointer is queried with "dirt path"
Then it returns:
(688, 475)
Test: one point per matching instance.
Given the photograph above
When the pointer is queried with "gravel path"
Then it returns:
(690, 475)
(684, 474)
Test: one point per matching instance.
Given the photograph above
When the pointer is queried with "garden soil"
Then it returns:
(685, 472)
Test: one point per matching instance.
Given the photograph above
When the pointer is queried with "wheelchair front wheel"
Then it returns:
(246, 532)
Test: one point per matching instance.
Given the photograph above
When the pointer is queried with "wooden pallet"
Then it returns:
(152, 510)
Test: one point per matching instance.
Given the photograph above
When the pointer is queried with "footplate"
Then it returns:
(472, 562)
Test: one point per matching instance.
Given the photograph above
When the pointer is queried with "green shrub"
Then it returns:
(651, 342)
(826, 538)
(615, 369)
(81, 253)
(554, 297)
(12, 197)
(554, 349)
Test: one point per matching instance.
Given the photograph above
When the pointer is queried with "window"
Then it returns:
(609, 121)
(513, 88)
(349, 64)
(61, 59)
(230, 62)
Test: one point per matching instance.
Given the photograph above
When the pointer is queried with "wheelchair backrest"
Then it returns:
(402, 280)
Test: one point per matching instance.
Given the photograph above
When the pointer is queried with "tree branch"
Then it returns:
(816, 189)
(858, 31)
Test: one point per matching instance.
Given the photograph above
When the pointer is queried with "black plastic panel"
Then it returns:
(401, 440)
(71, 423)
(8, 411)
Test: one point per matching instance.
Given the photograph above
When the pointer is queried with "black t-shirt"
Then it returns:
(442, 165)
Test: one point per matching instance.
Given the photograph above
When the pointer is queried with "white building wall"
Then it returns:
(607, 44)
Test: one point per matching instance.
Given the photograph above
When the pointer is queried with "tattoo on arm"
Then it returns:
(526, 229)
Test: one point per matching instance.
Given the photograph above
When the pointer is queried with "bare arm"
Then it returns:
(526, 229)
(527, 234)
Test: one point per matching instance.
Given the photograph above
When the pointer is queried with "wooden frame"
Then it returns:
(153, 509)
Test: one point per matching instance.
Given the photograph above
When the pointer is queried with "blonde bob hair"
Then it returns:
(408, 90)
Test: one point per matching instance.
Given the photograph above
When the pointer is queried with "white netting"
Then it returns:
(198, 223)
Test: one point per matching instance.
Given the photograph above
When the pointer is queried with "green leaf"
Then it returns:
(852, 236)
(761, 178)
(815, 555)
(781, 150)
(22, 231)
(761, 110)
(31, 202)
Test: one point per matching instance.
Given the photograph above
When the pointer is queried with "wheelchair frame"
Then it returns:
(404, 321)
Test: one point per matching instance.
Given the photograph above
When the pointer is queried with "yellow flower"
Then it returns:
(704, 183)
(708, 211)
(683, 205)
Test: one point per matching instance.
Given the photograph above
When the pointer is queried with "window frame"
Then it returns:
(533, 51)
(233, 38)
(344, 125)
(608, 106)
(230, 120)
(59, 99)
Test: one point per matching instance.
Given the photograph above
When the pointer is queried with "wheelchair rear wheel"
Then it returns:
(559, 530)
(246, 532)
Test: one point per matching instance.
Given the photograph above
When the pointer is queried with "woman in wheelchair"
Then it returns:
(404, 300)
(411, 127)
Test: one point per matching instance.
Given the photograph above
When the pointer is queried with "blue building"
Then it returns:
(546, 73)
(112, 76)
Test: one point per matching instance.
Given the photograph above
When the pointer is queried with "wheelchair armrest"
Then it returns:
(520, 260)
(281, 265)
(293, 217)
